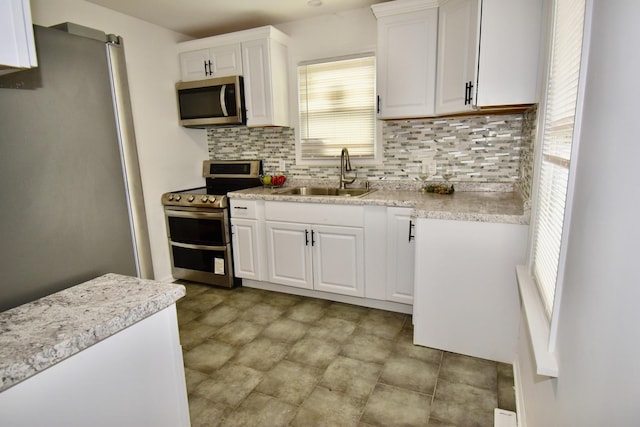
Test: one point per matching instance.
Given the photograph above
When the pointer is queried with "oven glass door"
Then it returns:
(208, 260)
(198, 228)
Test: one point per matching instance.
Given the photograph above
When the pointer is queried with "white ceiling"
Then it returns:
(202, 18)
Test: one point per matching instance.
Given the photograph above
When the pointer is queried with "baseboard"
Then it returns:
(365, 302)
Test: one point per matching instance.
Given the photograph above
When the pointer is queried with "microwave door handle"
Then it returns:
(223, 104)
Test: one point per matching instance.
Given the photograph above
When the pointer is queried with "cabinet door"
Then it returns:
(194, 65)
(338, 259)
(458, 41)
(400, 258)
(265, 82)
(407, 63)
(226, 61)
(511, 33)
(289, 254)
(246, 250)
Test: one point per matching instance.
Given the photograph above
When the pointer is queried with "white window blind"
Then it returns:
(559, 120)
(337, 107)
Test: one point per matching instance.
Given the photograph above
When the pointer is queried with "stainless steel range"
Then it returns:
(198, 222)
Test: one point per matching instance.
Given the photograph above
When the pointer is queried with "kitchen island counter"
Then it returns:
(42, 333)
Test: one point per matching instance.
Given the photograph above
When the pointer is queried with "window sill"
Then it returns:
(537, 322)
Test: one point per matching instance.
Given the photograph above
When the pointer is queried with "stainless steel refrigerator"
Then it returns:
(71, 203)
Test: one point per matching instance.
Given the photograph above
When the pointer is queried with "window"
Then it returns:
(337, 107)
(556, 147)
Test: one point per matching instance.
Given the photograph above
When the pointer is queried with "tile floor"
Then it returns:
(259, 358)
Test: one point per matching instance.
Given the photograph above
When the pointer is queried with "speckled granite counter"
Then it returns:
(41, 333)
(481, 206)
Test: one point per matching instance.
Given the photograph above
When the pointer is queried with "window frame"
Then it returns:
(543, 329)
(377, 137)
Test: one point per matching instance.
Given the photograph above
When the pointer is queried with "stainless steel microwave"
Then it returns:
(211, 102)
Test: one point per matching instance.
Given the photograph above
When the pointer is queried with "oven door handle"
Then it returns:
(192, 214)
(202, 247)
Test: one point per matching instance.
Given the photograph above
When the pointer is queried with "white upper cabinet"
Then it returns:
(17, 44)
(488, 52)
(406, 62)
(265, 82)
(457, 55)
(260, 55)
(220, 61)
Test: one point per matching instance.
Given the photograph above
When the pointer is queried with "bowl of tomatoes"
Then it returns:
(273, 181)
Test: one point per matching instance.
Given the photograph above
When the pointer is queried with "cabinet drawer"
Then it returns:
(315, 213)
(244, 209)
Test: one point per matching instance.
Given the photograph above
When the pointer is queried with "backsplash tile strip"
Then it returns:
(482, 148)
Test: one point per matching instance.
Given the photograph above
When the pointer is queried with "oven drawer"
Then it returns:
(202, 263)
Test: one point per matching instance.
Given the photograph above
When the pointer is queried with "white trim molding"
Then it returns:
(537, 322)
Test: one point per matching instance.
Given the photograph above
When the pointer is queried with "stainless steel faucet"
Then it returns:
(345, 166)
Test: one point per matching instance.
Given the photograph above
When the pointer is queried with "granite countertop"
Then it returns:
(487, 203)
(39, 334)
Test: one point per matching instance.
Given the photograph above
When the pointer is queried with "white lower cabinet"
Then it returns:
(247, 239)
(400, 258)
(323, 253)
(312, 256)
(246, 250)
(466, 295)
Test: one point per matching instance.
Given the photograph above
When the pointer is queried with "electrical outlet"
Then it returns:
(282, 166)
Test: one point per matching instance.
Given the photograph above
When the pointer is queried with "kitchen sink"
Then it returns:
(324, 191)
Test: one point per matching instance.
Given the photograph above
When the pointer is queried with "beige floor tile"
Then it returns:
(352, 377)
(306, 312)
(255, 357)
(244, 298)
(382, 323)
(404, 347)
(195, 333)
(331, 328)
(368, 348)
(281, 300)
(204, 413)
(412, 374)
(286, 330)
(346, 311)
(393, 406)
(290, 382)
(209, 356)
(469, 370)
(185, 316)
(259, 410)
(328, 408)
(261, 313)
(229, 385)
(463, 404)
(220, 315)
(238, 332)
(202, 302)
(193, 378)
(314, 352)
(261, 354)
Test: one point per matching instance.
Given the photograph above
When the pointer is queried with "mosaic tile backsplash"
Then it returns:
(482, 148)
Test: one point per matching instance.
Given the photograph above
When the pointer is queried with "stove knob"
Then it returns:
(177, 198)
(191, 198)
(170, 197)
(204, 199)
(212, 199)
